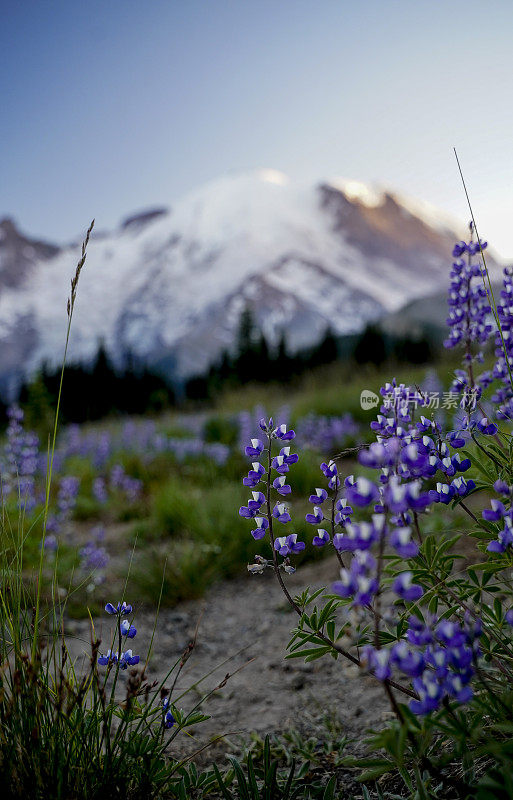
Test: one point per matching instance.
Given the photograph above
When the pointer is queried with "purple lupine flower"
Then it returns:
(109, 658)
(444, 493)
(280, 464)
(460, 464)
(132, 488)
(266, 426)
(378, 662)
(325, 433)
(504, 539)
(321, 538)
(468, 313)
(288, 544)
(100, 490)
(381, 454)
(362, 492)
(168, 718)
(93, 556)
(282, 433)
(262, 524)
(450, 633)
(439, 659)
(457, 439)
(290, 458)
(255, 448)
(463, 487)
(102, 450)
(503, 397)
(319, 497)
(127, 659)
(280, 485)
(66, 498)
(447, 466)
(254, 475)
(329, 469)
(346, 586)
(360, 536)
(255, 502)
(415, 456)
(424, 424)
(343, 511)
(405, 589)
(430, 694)
(399, 497)
(409, 661)
(246, 512)
(316, 517)
(501, 487)
(401, 541)
(122, 609)
(359, 581)
(51, 542)
(21, 458)
(127, 629)
(457, 689)
(281, 513)
(496, 512)
(419, 632)
(487, 427)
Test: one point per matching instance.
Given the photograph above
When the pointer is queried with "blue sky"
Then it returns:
(109, 107)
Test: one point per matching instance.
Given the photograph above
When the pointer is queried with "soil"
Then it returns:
(243, 629)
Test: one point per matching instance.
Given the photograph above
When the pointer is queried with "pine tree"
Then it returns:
(370, 347)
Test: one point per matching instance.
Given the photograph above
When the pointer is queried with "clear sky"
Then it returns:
(109, 107)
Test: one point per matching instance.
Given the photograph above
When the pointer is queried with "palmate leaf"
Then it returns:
(487, 472)
(494, 448)
(305, 598)
(310, 654)
(490, 567)
(304, 638)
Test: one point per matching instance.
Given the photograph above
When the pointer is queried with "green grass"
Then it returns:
(333, 389)
(188, 512)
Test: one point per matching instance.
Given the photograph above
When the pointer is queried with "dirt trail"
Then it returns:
(269, 694)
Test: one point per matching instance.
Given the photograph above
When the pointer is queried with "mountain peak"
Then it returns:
(368, 194)
(142, 218)
(304, 255)
(8, 227)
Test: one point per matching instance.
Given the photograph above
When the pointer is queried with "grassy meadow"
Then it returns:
(157, 497)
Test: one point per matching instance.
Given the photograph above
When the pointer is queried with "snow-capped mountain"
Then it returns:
(169, 286)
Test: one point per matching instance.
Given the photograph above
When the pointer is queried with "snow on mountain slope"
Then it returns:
(171, 285)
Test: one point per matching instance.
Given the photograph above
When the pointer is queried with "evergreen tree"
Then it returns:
(246, 334)
(413, 350)
(93, 392)
(103, 384)
(261, 358)
(225, 369)
(370, 347)
(245, 348)
(197, 388)
(37, 403)
(327, 350)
